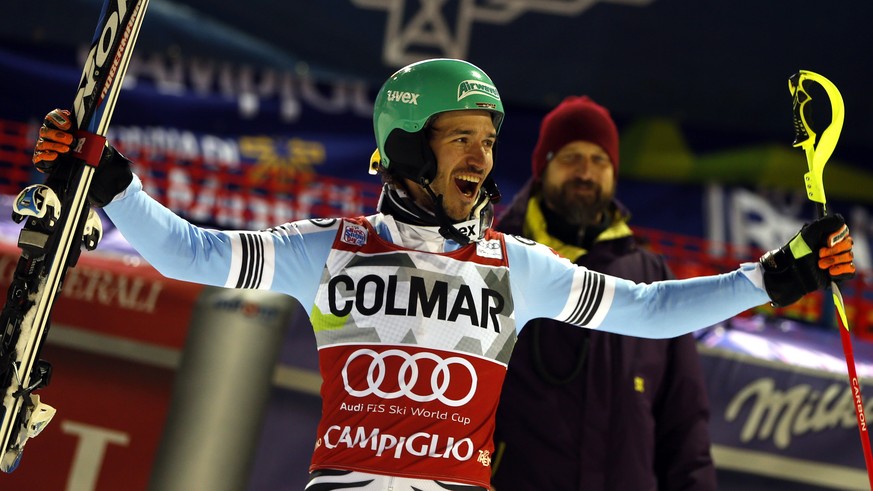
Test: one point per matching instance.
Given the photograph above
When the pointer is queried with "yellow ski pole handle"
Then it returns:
(817, 152)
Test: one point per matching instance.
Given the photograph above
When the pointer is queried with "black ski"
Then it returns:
(58, 224)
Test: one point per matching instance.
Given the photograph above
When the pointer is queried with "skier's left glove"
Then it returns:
(111, 177)
(820, 253)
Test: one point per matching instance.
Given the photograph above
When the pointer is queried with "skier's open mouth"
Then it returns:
(467, 185)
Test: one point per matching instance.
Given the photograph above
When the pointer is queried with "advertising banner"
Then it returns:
(782, 404)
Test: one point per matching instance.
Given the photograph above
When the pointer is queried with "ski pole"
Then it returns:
(817, 154)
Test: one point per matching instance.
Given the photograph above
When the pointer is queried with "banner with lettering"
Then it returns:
(782, 405)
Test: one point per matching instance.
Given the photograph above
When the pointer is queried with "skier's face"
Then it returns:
(463, 143)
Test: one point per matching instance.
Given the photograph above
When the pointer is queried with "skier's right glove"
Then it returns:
(820, 253)
(111, 177)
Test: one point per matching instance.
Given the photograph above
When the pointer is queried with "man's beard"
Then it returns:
(576, 209)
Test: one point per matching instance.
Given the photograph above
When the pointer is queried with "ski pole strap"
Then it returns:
(88, 147)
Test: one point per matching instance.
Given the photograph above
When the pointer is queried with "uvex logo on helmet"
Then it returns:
(475, 87)
(404, 97)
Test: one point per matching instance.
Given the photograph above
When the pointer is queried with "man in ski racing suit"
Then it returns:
(415, 310)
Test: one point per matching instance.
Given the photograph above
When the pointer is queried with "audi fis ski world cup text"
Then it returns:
(404, 411)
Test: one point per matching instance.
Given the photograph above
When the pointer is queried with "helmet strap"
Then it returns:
(447, 227)
(480, 217)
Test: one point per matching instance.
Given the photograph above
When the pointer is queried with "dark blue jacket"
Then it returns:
(588, 410)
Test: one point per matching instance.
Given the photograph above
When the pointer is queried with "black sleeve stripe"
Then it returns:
(244, 247)
(597, 297)
(572, 317)
(252, 261)
(590, 297)
(259, 261)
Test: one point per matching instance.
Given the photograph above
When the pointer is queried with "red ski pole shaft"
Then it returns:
(857, 400)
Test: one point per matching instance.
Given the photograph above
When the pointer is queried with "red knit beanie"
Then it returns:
(576, 118)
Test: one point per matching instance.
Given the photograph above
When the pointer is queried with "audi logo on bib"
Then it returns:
(421, 377)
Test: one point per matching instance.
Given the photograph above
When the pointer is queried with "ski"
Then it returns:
(57, 223)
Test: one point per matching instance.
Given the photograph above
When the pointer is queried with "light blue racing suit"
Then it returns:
(414, 332)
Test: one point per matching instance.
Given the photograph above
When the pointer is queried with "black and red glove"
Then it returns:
(820, 253)
(111, 176)
(54, 138)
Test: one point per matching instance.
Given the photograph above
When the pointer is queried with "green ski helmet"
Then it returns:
(411, 97)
